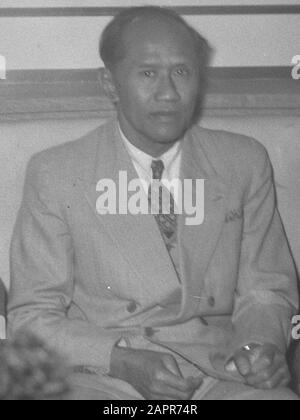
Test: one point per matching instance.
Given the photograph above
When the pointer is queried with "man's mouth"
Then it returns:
(165, 115)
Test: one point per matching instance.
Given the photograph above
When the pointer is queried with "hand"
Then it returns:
(263, 366)
(156, 376)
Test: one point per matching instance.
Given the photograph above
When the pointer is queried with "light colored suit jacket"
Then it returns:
(83, 281)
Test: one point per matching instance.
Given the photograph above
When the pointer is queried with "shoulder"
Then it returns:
(72, 159)
(231, 151)
(67, 154)
(54, 170)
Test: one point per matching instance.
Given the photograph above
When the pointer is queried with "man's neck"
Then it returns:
(149, 147)
(157, 150)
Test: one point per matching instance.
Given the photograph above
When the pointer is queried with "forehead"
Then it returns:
(158, 39)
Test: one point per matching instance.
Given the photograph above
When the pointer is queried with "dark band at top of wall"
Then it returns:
(111, 11)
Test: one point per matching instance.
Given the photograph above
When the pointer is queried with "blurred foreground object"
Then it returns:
(2, 311)
(294, 361)
(31, 371)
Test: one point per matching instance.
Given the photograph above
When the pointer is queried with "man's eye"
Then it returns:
(181, 72)
(149, 73)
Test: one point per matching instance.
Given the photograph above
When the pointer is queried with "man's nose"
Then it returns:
(166, 89)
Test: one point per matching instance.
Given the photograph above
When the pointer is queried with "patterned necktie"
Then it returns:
(165, 216)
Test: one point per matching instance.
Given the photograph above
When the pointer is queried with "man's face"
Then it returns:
(157, 84)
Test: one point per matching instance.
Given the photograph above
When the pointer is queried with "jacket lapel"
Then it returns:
(198, 242)
(137, 237)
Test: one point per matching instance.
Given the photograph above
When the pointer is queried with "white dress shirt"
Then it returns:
(2, 328)
(142, 164)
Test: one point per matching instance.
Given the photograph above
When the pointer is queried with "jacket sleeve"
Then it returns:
(42, 281)
(266, 295)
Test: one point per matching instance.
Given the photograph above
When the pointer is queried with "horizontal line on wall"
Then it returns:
(111, 11)
(61, 75)
(60, 94)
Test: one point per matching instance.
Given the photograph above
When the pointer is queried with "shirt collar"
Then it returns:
(144, 160)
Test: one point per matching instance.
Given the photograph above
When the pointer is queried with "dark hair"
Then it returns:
(111, 44)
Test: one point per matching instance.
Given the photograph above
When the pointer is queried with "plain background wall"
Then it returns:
(29, 43)
(49, 43)
(110, 3)
(41, 43)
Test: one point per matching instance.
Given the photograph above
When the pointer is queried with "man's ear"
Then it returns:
(108, 84)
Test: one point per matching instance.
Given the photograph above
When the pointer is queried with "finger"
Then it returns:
(172, 366)
(243, 363)
(240, 363)
(176, 382)
(195, 382)
(262, 360)
(161, 390)
(284, 382)
(175, 377)
(231, 366)
(265, 374)
(280, 379)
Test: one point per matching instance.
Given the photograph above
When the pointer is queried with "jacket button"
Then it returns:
(149, 332)
(211, 301)
(132, 307)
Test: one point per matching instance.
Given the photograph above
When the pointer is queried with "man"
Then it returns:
(152, 305)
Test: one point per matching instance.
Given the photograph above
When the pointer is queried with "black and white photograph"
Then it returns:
(149, 202)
